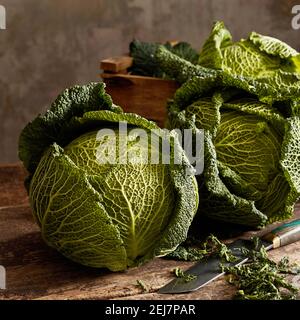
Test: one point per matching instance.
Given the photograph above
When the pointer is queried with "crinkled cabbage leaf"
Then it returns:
(257, 57)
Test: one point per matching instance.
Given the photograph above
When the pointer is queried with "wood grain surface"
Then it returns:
(35, 271)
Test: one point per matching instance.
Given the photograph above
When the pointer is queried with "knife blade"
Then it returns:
(209, 269)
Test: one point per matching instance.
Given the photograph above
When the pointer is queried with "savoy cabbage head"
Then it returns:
(246, 96)
(104, 214)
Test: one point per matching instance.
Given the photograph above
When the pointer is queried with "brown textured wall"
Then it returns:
(53, 44)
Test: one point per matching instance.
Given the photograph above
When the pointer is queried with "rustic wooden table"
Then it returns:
(35, 271)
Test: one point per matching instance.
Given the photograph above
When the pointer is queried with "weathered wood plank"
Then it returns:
(35, 271)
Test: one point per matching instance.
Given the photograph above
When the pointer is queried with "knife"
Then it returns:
(208, 270)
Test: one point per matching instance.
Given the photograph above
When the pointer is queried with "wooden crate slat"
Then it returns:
(116, 64)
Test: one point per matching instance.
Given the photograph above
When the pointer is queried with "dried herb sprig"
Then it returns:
(194, 250)
(284, 266)
(142, 285)
(262, 278)
(179, 273)
(220, 249)
(188, 254)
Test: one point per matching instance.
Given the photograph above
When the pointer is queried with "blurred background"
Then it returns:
(52, 44)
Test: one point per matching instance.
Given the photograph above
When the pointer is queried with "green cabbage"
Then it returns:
(246, 96)
(113, 215)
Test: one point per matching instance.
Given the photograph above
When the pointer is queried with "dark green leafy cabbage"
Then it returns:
(113, 215)
(246, 96)
(145, 62)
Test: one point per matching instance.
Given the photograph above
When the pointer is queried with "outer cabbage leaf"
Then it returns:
(71, 215)
(272, 46)
(248, 145)
(144, 60)
(178, 68)
(211, 54)
(218, 202)
(54, 126)
(257, 57)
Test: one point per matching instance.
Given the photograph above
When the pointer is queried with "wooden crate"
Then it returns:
(146, 96)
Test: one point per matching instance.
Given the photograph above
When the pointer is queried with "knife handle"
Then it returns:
(285, 234)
